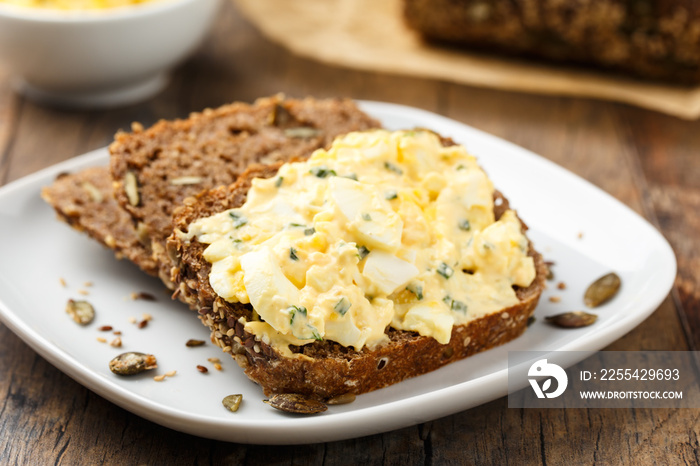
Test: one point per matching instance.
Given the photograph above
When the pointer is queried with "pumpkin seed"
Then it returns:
(343, 399)
(232, 402)
(572, 319)
(602, 290)
(80, 311)
(295, 403)
(302, 132)
(132, 363)
(131, 187)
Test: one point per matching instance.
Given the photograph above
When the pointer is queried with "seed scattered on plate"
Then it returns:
(232, 402)
(117, 332)
(554, 299)
(159, 378)
(105, 328)
(191, 343)
(87, 284)
(342, 399)
(132, 363)
(80, 311)
(170, 373)
(117, 342)
(102, 340)
(202, 369)
(572, 319)
(602, 290)
(142, 295)
(62, 281)
(132, 320)
(531, 320)
(295, 403)
(214, 360)
(143, 323)
(561, 285)
(218, 367)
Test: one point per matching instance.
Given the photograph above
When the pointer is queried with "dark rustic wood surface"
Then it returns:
(649, 161)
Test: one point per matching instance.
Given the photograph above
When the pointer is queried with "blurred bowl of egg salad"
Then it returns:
(98, 53)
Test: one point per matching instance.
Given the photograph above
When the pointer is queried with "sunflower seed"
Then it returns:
(602, 290)
(572, 319)
(232, 402)
(192, 343)
(131, 187)
(185, 180)
(132, 363)
(295, 403)
(80, 311)
(302, 132)
(95, 194)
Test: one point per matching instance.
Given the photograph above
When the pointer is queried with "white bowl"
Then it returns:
(100, 58)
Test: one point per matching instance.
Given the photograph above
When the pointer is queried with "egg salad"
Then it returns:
(383, 229)
(74, 4)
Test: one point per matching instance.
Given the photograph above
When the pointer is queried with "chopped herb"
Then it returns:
(279, 181)
(390, 195)
(293, 254)
(309, 231)
(322, 172)
(445, 270)
(342, 306)
(458, 306)
(489, 246)
(238, 219)
(461, 167)
(465, 225)
(293, 311)
(391, 167)
(314, 332)
(366, 217)
(351, 176)
(296, 225)
(362, 252)
(416, 290)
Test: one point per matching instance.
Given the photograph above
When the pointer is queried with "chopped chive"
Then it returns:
(391, 167)
(309, 231)
(351, 176)
(416, 290)
(279, 181)
(366, 217)
(445, 270)
(238, 219)
(342, 306)
(458, 306)
(461, 166)
(293, 254)
(296, 225)
(294, 311)
(314, 332)
(362, 252)
(390, 195)
(465, 225)
(322, 172)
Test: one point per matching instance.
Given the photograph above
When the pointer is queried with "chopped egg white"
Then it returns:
(383, 229)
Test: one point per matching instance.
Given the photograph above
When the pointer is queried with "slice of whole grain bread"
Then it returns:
(330, 369)
(155, 169)
(84, 200)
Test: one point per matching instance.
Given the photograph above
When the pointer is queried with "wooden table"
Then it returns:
(649, 161)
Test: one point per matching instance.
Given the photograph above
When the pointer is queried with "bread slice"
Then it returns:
(155, 169)
(84, 200)
(330, 369)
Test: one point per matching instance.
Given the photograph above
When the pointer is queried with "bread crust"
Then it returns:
(175, 159)
(329, 369)
(656, 39)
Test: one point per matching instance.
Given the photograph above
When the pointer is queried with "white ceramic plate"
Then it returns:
(37, 251)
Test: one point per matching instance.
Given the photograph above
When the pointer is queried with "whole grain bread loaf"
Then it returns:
(330, 369)
(658, 39)
(84, 200)
(155, 169)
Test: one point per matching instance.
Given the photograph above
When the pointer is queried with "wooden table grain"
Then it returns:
(649, 161)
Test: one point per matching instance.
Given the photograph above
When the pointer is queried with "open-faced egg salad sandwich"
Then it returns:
(384, 257)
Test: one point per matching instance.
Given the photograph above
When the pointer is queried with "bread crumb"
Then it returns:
(580, 235)
(147, 317)
(136, 127)
(117, 342)
(132, 320)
